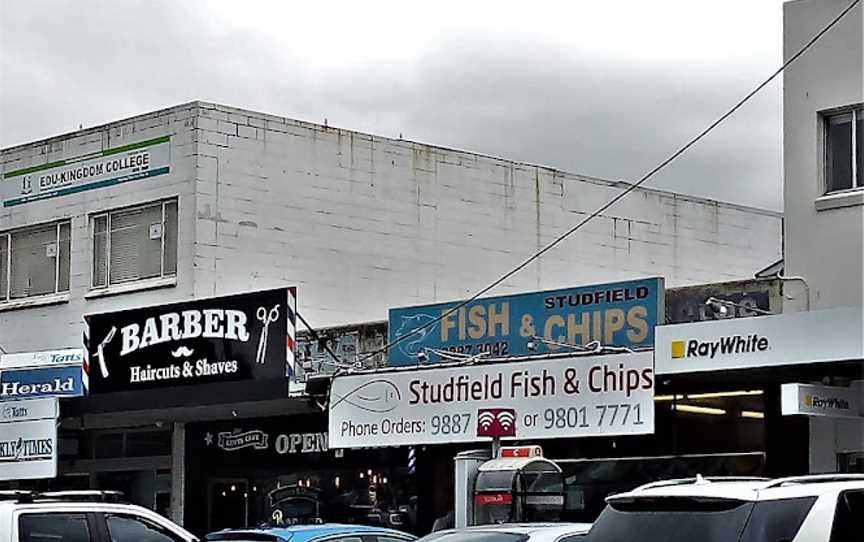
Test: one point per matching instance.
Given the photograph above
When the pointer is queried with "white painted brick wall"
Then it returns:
(362, 223)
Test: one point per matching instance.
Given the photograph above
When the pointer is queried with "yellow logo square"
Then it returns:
(677, 349)
(808, 400)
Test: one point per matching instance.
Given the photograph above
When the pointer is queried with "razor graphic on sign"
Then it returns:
(100, 352)
(496, 422)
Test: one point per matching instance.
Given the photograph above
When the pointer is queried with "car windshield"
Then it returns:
(474, 536)
(676, 519)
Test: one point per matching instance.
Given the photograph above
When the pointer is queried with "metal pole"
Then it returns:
(496, 447)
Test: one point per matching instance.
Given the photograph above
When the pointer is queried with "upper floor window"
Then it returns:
(34, 261)
(844, 150)
(135, 243)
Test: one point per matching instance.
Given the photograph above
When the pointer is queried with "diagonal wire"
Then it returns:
(623, 193)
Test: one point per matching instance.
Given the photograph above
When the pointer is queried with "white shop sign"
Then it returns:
(28, 450)
(761, 341)
(552, 398)
(817, 400)
(29, 410)
(49, 358)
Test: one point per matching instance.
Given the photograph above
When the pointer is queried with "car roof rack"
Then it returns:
(14, 494)
(698, 479)
(815, 479)
(24, 496)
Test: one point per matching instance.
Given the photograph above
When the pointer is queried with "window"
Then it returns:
(844, 151)
(53, 528)
(134, 244)
(848, 517)
(132, 529)
(34, 261)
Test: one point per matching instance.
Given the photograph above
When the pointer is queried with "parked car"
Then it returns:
(515, 532)
(81, 516)
(327, 532)
(820, 508)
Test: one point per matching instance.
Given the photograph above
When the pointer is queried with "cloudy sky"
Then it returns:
(602, 88)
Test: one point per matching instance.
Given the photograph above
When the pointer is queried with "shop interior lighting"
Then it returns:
(693, 409)
(753, 414)
(233, 488)
(722, 394)
(714, 395)
(336, 482)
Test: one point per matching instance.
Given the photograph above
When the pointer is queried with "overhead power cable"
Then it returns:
(630, 188)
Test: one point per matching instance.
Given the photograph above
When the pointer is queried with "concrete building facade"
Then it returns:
(359, 223)
(823, 147)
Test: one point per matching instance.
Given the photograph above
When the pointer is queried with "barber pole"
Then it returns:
(290, 332)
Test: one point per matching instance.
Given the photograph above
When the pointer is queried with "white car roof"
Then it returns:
(747, 489)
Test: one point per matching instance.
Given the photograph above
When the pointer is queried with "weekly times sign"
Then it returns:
(616, 314)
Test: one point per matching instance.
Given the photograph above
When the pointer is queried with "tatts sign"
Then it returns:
(617, 314)
(221, 339)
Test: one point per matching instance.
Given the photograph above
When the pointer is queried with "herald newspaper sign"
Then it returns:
(552, 398)
(615, 314)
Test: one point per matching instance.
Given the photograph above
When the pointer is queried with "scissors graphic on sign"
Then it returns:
(266, 318)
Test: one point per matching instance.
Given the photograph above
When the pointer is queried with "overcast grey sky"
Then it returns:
(602, 88)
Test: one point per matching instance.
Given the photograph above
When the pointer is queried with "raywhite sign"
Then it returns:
(816, 400)
(761, 341)
(29, 410)
(552, 398)
(49, 358)
(28, 450)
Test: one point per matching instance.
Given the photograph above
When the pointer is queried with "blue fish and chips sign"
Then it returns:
(622, 314)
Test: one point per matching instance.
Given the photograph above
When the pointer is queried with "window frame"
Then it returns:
(6, 295)
(857, 114)
(107, 215)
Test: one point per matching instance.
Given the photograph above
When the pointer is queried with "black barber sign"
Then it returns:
(222, 339)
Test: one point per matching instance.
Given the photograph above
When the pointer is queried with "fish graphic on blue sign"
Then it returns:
(411, 325)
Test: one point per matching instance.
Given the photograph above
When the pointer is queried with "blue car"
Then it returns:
(328, 532)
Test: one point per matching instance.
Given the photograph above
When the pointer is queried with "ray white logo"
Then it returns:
(729, 345)
(826, 403)
(22, 449)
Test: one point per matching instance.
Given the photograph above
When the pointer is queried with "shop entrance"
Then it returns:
(148, 488)
(227, 503)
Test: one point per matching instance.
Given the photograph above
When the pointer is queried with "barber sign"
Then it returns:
(231, 338)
